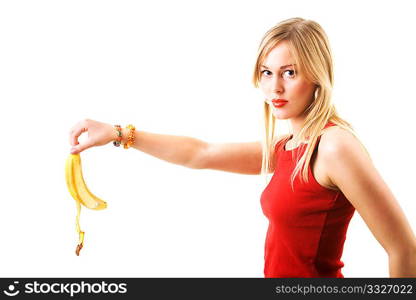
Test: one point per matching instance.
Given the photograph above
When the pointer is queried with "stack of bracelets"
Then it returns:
(130, 136)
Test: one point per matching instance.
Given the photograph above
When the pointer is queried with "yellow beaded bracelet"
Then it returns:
(130, 137)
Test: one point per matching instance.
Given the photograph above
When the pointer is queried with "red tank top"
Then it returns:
(307, 226)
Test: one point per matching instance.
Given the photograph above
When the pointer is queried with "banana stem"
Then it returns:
(78, 228)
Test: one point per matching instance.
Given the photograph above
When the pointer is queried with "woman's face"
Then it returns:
(278, 80)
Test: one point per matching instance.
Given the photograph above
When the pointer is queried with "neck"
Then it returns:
(297, 124)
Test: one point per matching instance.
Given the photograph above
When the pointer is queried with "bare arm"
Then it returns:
(243, 158)
(353, 172)
(180, 150)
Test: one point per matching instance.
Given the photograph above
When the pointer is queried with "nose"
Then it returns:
(276, 85)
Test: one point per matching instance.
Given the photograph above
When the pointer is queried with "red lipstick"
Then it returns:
(279, 102)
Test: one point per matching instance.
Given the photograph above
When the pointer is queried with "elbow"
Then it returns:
(402, 250)
(199, 159)
(402, 262)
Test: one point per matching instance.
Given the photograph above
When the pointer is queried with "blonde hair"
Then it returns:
(309, 47)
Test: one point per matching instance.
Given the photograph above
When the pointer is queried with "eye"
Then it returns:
(290, 73)
(266, 72)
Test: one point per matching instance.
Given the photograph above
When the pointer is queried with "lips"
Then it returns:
(276, 101)
(279, 102)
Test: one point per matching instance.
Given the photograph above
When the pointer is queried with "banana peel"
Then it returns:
(79, 191)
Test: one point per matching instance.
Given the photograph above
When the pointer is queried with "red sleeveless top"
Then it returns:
(307, 226)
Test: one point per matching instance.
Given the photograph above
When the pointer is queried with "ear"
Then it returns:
(317, 88)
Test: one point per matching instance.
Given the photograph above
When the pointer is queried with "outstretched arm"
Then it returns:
(243, 158)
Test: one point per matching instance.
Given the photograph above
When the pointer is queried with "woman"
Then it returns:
(321, 171)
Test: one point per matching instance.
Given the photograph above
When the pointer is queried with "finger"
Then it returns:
(72, 141)
(81, 147)
(76, 132)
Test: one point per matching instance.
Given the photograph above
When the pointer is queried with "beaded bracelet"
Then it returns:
(130, 137)
(117, 142)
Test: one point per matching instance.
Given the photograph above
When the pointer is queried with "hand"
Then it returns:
(99, 134)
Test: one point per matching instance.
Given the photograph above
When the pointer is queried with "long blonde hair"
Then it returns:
(310, 48)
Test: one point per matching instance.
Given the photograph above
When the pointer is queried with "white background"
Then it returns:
(182, 68)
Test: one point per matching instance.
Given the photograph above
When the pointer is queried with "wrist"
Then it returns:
(123, 136)
(117, 135)
(130, 136)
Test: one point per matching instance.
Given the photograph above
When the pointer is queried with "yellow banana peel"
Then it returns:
(80, 192)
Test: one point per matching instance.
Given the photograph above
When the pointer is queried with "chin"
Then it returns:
(280, 116)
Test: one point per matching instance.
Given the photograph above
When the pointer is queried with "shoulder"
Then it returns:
(340, 147)
(337, 140)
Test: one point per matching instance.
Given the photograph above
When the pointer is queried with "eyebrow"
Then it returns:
(282, 67)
